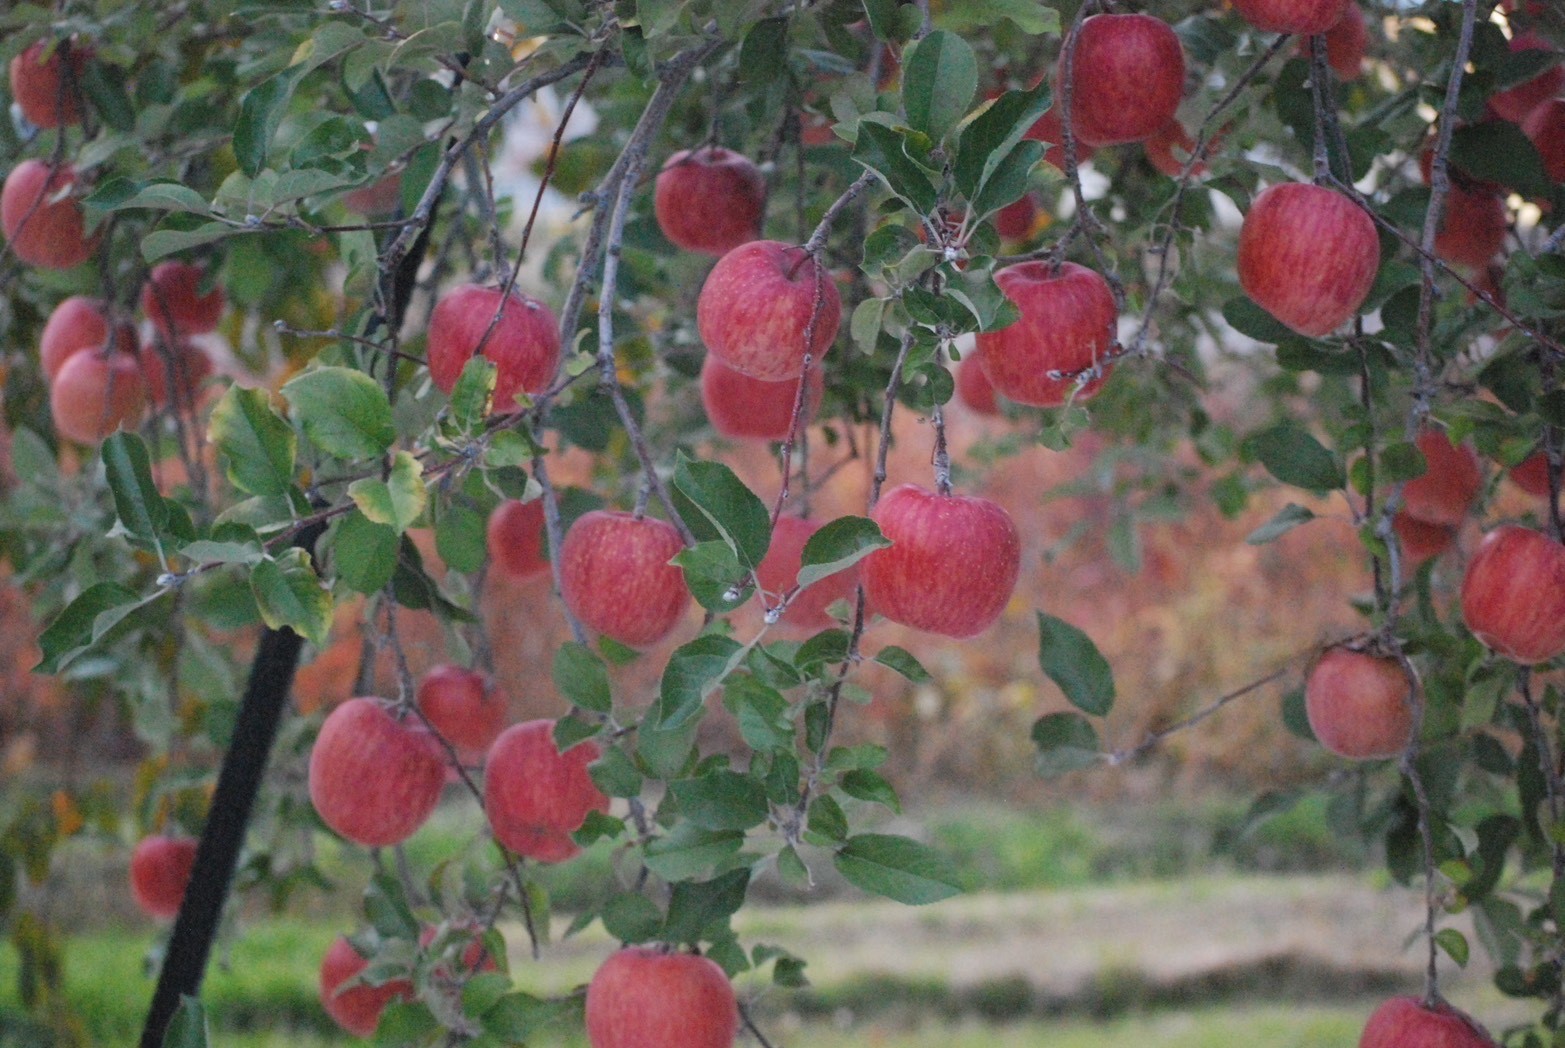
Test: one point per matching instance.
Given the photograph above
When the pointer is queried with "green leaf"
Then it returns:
(1293, 456)
(903, 661)
(581, 677)
(137, 502)
(763, 57)
(289, 593)
(121, 194)
(839, 545)
(1030, 16)
(1010, 178)
(344, 412)
(1287, 518)
(990, 136)
(865, 324)
(460, 538)
(365, 553)
(104, 87)
(714, 576)
(871, 786)
(258, 445)
(1498, 151)
(721, 800)
(188, 1026)
(632, 917)
(1454, 943)
(615, 774)
(84, 621)
(715, 504)
(1065, 742)
(694, 670)
(161, 243)
(260, 114)
(1070, 659)
(1251, 321)
(517, 1017)
(206, 551)
(939, 79)
(881, 150)
(763, 714)
(397, 501)
(472, 393)
(700, 910)
(827, 824)
(898, 868)
(689, 851)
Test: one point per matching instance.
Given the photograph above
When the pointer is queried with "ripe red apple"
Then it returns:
(741, 407)
(160, 868)
(1306, 17)
(778, 573)
(535, 796)
(973, 387)
(756, 307)
(1016, 220)
(952, 565)
(516, 539)
(1050, 128)
(171, 298)
(1532, 475)
(615, 576)
(1067, 324)
(1160, 149)
(181, 367)
(1308, 256)
(1513, 595)
(646, 997)
(1346, 43)
(464, 707)
(46, 97)
(80, 323)
(525, 344)
(1359, 705)
(373, 778)
(356, 1009)
(94, 394)
(1517, 103)
(1545, 125)
(1420, 540)
(42, 217)
(1472, 229)
(710, 200)
(1405, 1022)
(378, 198)
(1127, 77)
(1444, 493)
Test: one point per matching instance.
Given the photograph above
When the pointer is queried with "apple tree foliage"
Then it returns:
(230, 132)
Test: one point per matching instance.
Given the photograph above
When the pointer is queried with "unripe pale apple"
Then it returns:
(39, 85)
(160, 868)
(1359, 705)
(645, 997)
(181, 368)
(616, 578)
(1308, 256)
(778, 573)
(1067, 324)
(952, 565)
(535, 796)
(171, 298)
(1545, 125)
(515, 539)
(42, 217)
(525, 344)
(741, 407)
(973, 387)
(1517, 103)
(1513, 595)
(1420, 540)
(1127, 76)
(710, 200)
(1049, 128)
(1406, 1022)
(356, 1009)
(1444, 493)
(94, 394)
(464, 706)
(1306, 17)
(373, 778)
(757, 307)
(80, 323)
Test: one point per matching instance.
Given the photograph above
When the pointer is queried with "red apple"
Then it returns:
(646, 997)
(1532, 475)
(1067, 324)
(373, 778)
(741, 407)
(1160, 149)
(1305, 17)
(1421, 541)
(378, 198)
(80, 323)
(535, 796)
(516, 539)
(1346, 43)
(1517, 103)
(171, 298)
(46, 97)
(159, 870)
(1017, 220)
(952, 564)
(778, 573)
(525, 344)
(1127, 78)
(95, 394)
(1444, 493)
(1513, 595)
(616, 578)
(1545, 125)
(1359, 705)
(710, 200)
(1405, 1022)
(1472, 230)
(756, 309)
(1051, 129)
(181, 368)
(973, 387)
(464, 707)
(356, 1009)
(1308, 256)
(42, 217)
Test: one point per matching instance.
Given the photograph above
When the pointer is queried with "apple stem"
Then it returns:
(942, 457)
